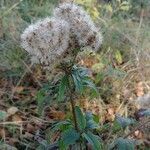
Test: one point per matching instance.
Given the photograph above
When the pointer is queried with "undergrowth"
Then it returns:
(33, 114)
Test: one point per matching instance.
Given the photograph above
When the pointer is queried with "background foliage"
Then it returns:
(120, 70)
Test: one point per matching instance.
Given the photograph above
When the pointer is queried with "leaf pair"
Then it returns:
(82, 80)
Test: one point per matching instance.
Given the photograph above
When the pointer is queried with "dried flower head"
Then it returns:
(46, 41)
(81, 25)
(51, 41)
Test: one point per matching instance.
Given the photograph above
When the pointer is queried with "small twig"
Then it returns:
(137, 128)
(14, 122)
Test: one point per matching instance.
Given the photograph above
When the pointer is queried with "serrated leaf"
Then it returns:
(77, 82)
(125, 144)
(90, 84)
(81, 80)
(58, 125)
(70, 136)
(116, 126)
(81, 121)
(90, 123)
(93, 140)
(124, 122)
(62, 88)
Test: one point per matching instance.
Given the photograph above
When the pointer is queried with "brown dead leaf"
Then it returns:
(12, 111)
(18, 89)
(16, 118)
(84, 103)
(2, 132)
(30, 128)
(126, 93)
(139, 89)
(138, 134)
(12, 141)
(110, 114)
(56, 115)
(28, 135)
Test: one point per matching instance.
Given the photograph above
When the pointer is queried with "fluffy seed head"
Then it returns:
(81, 25)
(46, 40)
(51, 41)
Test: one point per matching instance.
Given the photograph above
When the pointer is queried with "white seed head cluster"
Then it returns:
(46, 40)
(81, 25)
(51, 40)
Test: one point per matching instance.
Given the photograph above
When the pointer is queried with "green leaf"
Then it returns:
(70, 136)
(125, 6)
(125, 144)
(124, 122)
(91, 124)
(59, 125)
(3, 115)
(116, 126)
(93, 140)
(79, 75)
(77, 82)
(62, 146)
(118, 57)
(62, 87)
(40, 96)
(114, 72)
(89, 83)
(81, 121)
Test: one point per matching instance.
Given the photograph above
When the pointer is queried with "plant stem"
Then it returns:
(73, 107)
